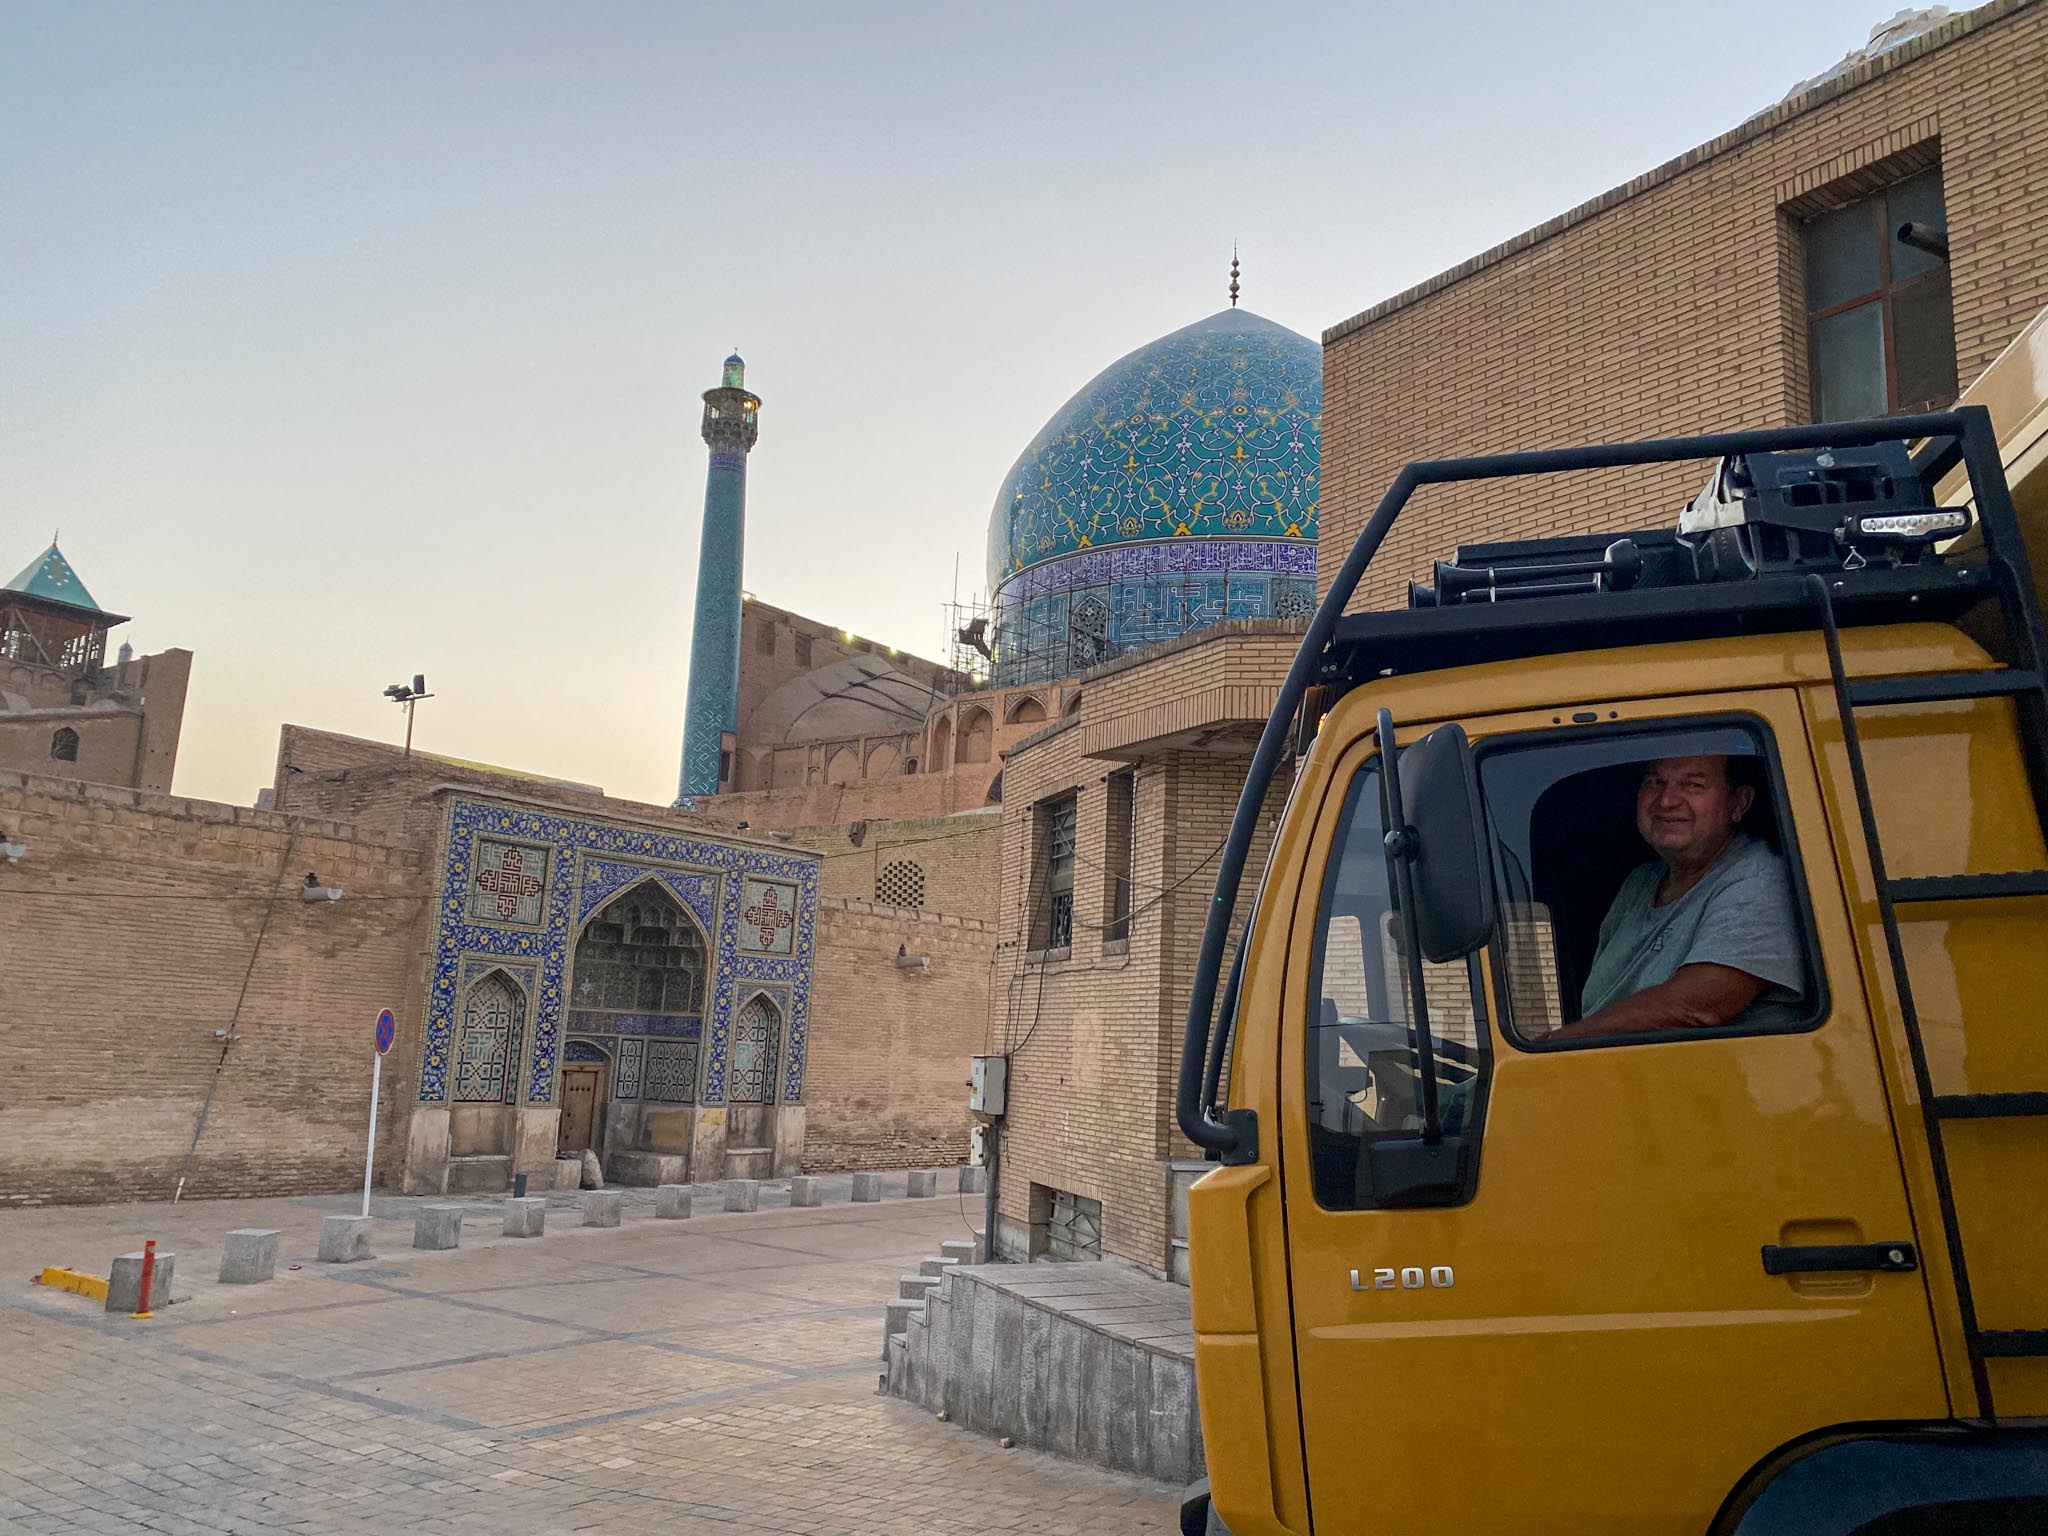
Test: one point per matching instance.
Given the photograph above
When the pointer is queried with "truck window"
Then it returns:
(1649, 887)
(1363, 1063)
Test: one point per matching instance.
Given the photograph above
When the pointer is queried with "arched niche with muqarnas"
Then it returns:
(638, 984)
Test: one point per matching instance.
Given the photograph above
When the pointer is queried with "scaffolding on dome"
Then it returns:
(1002, 646)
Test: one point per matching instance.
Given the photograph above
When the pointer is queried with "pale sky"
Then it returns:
(345, 341)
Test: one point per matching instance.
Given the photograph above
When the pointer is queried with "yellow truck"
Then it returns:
(1567, 1186)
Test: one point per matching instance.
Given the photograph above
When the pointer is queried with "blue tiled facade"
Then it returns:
(1178, 489)
(517, 886)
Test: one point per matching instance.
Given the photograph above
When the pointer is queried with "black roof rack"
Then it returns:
(1368, 645)
(1841, 508)
(1862, 514)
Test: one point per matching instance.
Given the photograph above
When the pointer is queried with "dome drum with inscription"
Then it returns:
(1178, 489)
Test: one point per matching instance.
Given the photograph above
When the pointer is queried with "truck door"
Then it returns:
(1582, 1333)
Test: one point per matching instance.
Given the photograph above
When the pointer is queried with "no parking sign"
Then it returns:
(387, 1031)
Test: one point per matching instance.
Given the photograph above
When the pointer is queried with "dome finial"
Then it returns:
(1233, 274)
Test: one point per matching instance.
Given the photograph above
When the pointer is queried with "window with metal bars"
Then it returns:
(1055, 928)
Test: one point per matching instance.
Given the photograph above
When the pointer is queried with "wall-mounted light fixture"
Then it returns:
(10, 850)
(906, 961)
(313, 890)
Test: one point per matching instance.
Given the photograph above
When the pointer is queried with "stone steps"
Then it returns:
(1090, 1361)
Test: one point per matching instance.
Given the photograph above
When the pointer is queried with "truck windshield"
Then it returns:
(1363, 1068)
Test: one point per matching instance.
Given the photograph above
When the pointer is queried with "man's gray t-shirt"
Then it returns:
(1739, 915)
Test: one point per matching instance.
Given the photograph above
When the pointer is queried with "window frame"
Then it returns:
(1820, 1007)
(1480, 977)
(1120, 801)
(1878, 204)
(1044, 941)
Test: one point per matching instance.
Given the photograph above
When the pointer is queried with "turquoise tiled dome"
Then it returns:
(1177, 489)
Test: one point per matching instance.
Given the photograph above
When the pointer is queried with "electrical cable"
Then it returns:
(227, 1038)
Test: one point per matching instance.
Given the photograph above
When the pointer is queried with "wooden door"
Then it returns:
(579, 1108)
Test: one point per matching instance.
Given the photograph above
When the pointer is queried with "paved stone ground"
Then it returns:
(711, 1375)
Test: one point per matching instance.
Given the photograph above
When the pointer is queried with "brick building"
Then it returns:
(1701, 295)
(65, 711)
(1758, 280)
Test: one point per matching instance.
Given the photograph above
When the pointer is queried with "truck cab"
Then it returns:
(1486, 1252)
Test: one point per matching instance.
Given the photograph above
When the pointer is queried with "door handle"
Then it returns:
(1840, 1258)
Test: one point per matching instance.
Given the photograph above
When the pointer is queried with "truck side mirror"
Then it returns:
(1455, 907)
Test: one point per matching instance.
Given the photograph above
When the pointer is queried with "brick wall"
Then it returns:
(372, 785)
(127, 932)
(902, 797)
(885, 1082)
(1095, 1034)
(1675, 304)
(819, 778)
(955, 857)
(108, 736)
(128, 720)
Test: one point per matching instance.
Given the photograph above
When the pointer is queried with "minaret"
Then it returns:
(731, 423)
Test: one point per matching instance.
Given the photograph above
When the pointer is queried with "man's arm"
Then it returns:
(1698, 996)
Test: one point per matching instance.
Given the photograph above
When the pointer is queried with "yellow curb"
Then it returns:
(74, 1280)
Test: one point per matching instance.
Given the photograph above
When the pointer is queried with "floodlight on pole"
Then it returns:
(409, 696)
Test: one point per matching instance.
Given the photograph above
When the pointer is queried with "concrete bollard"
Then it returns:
(973, 1180)
(803, 1191)
(124, 1282)
(603, 1207)
(742, 1194)
(437, 1226)
(672, 1202)
(867, 1187)
(344, 1239)
(924, 1183)
(525, 1216)
(250, 1257)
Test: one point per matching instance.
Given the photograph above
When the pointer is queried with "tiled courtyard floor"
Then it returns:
(716, 1374)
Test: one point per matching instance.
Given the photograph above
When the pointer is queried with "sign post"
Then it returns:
(387, 1031)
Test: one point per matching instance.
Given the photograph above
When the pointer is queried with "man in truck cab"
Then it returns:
(1704, 935)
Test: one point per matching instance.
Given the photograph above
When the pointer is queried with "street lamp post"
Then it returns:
(400, 693)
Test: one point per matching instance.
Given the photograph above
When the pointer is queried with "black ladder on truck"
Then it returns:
(2023, 680)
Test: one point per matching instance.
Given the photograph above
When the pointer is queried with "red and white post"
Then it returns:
(148, 1281)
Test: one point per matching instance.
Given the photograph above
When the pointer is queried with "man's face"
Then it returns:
(1687, 810)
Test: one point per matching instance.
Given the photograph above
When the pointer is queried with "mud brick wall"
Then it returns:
(886, 1080)
(127, 933)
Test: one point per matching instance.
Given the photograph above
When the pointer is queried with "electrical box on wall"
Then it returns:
(978, 1138)
(988, 1083)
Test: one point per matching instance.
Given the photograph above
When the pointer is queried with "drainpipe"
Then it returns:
(988, 1212)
